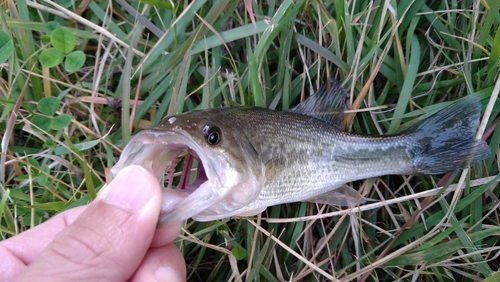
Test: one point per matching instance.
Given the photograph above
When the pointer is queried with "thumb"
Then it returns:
(108, 241)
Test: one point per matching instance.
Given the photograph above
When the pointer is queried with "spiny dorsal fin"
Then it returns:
(327, 104)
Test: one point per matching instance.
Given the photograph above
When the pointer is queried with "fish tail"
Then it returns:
(445, 141)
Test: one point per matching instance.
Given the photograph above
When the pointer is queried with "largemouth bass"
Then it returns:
(238, 161)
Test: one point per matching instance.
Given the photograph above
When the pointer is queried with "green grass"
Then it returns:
(398, 59)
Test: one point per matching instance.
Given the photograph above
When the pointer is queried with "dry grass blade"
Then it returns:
(301, 258)
(7, 136)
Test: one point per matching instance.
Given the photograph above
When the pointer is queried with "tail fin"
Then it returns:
(445, 141)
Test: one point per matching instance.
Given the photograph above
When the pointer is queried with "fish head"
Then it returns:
(221, 171)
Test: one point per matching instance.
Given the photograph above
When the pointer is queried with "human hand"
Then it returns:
(112, 239)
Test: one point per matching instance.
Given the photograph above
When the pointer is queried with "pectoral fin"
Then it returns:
(342, 196)
(251, 212)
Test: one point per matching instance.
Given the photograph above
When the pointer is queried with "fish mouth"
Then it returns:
(179, 164)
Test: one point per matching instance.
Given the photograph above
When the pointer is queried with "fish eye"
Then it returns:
(212, 134)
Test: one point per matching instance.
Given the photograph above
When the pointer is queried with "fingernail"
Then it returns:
(131, 189)
(165, 273)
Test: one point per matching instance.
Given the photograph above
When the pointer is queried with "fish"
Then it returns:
(237, 161)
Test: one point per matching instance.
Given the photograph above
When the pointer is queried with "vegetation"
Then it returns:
(78, 78)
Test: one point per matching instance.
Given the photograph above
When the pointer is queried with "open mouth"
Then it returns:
(170, 156)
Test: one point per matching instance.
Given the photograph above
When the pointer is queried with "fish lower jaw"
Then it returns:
(172, 199)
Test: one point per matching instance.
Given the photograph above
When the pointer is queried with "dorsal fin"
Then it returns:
(327, 104)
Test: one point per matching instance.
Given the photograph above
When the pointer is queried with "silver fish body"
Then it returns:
(251, 158)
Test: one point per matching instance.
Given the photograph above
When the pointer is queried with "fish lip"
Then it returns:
(158, 151)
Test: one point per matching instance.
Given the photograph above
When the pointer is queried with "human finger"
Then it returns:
(110, 238)
(162, 264)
